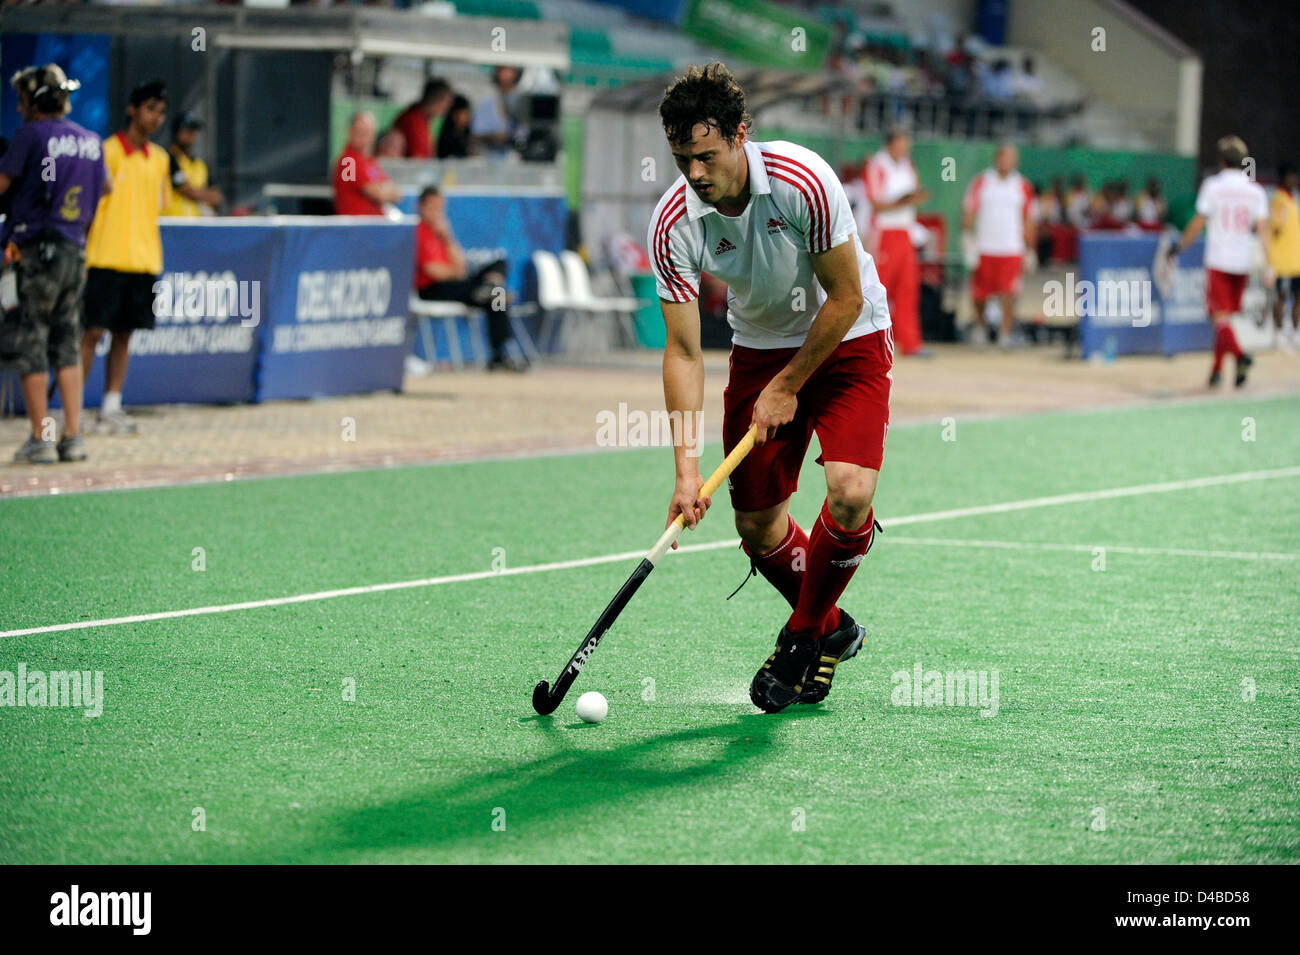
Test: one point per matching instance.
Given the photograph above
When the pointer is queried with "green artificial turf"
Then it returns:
(1122, 693)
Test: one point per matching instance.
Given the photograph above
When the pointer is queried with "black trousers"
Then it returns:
(477, 291)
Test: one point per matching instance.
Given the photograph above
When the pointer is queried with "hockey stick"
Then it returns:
(546, 697)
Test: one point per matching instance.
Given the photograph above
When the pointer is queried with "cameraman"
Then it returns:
(57, 172)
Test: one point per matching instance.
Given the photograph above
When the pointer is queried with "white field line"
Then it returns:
(1076, 498)
(1090, 548)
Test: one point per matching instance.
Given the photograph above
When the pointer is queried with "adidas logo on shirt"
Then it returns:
(726, 245)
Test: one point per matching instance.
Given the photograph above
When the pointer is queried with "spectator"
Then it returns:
(1111, 209)
(1051, 203)
(442, 274)
(958, 58)
(124, 249)
(392, 145)
(361, 187)
(1026, 85)
(1121, 209)
(48, 234)
(190, 189)
(1054, 236)
(415, 121)
(454, 138)
(996, 83)
(1151, 207)
(1078, 203)
(494, 125)
(1284, 253)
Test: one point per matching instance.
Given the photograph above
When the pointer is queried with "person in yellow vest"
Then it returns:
(124, 249)
(1284, 254)
(190, 189)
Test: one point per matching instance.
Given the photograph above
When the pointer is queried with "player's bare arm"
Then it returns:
(1190, 235)
(837, 271)
(386, 191)
(915, 198)
(209, 196)
(684, 399)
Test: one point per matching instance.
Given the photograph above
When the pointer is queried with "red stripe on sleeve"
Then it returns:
(817, 202)
(815, 193)
(673, 210)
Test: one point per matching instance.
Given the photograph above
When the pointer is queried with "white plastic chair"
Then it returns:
(553, 297)
(579, 283)
(427, 311)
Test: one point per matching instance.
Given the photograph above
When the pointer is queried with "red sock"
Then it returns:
(1230, 339)
(831, 562)
(783, 566)
(1225, 342)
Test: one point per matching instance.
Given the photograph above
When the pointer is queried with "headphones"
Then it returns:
(46, 87)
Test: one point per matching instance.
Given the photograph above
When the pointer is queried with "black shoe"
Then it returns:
(780, 680)
(1243, 366)
(835, 648)
(1215, 378)
(508, 363)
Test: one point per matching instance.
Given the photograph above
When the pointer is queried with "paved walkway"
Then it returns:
(465, 415)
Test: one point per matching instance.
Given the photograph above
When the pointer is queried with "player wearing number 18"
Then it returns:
(812, 349)
(1233, 210)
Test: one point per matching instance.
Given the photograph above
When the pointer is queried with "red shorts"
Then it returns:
(1223, 291)
(846, 401)
(997, 275)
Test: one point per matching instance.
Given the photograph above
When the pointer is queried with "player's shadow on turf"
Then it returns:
(548, 796)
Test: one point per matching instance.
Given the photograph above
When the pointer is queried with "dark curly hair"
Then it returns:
(704, 94)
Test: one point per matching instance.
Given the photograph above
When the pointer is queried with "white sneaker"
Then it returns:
(1285, 343)
(417, 367)
(117, 422)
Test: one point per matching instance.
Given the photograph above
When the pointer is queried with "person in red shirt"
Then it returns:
(442, 274)
(414, 122)
(361, 187)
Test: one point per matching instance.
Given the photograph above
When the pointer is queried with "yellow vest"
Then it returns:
(196, 176)
(1284, 245)
(124, 235)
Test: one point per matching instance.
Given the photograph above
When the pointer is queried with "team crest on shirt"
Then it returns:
(776, 225)
(726, 245)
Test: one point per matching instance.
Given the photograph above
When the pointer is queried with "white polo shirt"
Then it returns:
(1000, 205)
(1231, 204)
(796, 208)
(889, 181)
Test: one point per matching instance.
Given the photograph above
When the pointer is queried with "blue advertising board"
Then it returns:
(1120, 309)
(338, 310)
(209, 305)
(255, 309)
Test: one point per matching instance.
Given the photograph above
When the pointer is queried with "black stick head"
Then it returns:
(542, 701)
